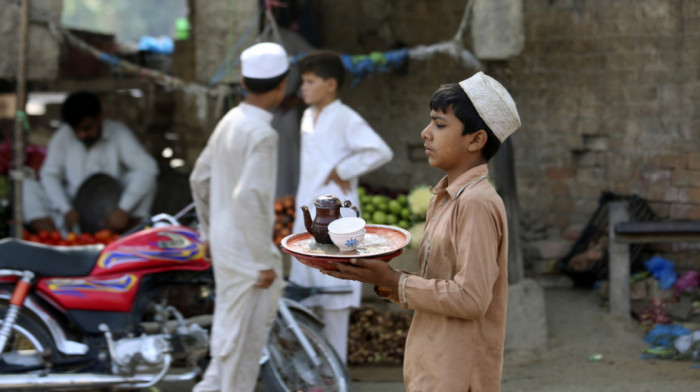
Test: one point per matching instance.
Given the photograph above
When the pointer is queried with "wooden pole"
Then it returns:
(19, 121)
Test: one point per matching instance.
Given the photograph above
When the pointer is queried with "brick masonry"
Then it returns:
(606, 91)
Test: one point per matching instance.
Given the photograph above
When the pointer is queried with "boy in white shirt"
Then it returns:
(337, 147)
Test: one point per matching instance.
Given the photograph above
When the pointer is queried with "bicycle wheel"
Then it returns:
(290, 369)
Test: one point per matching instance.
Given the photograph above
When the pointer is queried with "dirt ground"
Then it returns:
(578, 327)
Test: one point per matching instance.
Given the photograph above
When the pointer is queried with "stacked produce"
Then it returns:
(33, 156)
(284, 218)
(71, 239)
(377, 336)
(405, 210)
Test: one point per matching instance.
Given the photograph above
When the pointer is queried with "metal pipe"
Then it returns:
(19, 134)
(88, 380)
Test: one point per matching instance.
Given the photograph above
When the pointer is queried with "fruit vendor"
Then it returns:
(337, 147)
(457, 336)
(233, 186)
(85, 144)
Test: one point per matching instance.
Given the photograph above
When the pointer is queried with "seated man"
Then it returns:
(87, 144)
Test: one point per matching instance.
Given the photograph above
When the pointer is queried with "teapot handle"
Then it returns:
(356, 210)
(348, 204)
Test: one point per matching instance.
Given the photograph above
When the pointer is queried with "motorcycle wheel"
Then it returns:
(27, 344)
(289, 368)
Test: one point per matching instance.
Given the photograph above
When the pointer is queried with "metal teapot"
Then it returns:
(327, 210)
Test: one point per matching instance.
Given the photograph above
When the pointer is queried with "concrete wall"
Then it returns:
(43, 51)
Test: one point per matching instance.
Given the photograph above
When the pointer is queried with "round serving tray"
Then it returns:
(381, 242)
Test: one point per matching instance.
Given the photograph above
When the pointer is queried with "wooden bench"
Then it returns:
(622, 233)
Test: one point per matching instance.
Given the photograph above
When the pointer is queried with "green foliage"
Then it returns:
(129, 20)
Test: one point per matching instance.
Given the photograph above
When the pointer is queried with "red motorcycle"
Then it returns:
(97, 316)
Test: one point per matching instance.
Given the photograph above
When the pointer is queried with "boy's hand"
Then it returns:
(344, 185)
(266, 278)
(372, 271)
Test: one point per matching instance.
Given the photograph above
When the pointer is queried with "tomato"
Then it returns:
(55, 236)
(43, 235)
(103, 235)
(33, 238)
(86, 239)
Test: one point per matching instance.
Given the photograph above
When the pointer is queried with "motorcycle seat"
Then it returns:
(45, 260)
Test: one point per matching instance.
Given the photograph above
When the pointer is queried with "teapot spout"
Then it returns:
(307, 218)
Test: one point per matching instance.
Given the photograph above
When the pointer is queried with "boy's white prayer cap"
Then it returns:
(493, 103)
(265, 60)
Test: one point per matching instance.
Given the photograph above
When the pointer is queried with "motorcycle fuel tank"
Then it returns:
(114, 281)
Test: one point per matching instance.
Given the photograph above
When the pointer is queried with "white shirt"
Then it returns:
(117, 153)
(343, 140)
(233, 186)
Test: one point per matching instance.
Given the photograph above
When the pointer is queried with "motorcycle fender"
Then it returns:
(296, 306)
(63, 345)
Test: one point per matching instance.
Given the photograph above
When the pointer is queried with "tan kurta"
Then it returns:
(456, 339)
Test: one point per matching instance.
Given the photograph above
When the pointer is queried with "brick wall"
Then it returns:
(606, 90)
(607, 93)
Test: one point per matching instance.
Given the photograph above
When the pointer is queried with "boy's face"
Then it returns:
(316, 90)
(445, 146)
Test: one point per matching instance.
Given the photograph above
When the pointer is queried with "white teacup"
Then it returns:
(346, 226)
(347, 242)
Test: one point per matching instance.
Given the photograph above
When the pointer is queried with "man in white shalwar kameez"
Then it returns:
(233, 185)
(337, 147)
(86, 144)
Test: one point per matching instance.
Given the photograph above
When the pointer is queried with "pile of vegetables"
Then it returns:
(284, 218)
(405, 210)
(377, 336)
(71, 239)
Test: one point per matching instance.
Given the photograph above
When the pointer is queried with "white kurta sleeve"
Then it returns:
(200, 181)
(255, 194)
(141, 166)
(367, 151)
(53, 169)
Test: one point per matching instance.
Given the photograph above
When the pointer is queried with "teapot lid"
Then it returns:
(327, 201)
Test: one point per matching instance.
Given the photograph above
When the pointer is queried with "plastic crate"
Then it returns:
(596, 228)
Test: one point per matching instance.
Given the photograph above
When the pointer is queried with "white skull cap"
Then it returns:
(493, 103)
(265, 60)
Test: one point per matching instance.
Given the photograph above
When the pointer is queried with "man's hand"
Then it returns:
(117, 221)
(344, 185)
(72, 219)
(372, 271)
(266, 278)
(207, 251)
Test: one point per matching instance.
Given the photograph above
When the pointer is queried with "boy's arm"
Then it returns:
(468, 294)
(368, 151)
(200, 181)
(256, 191)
